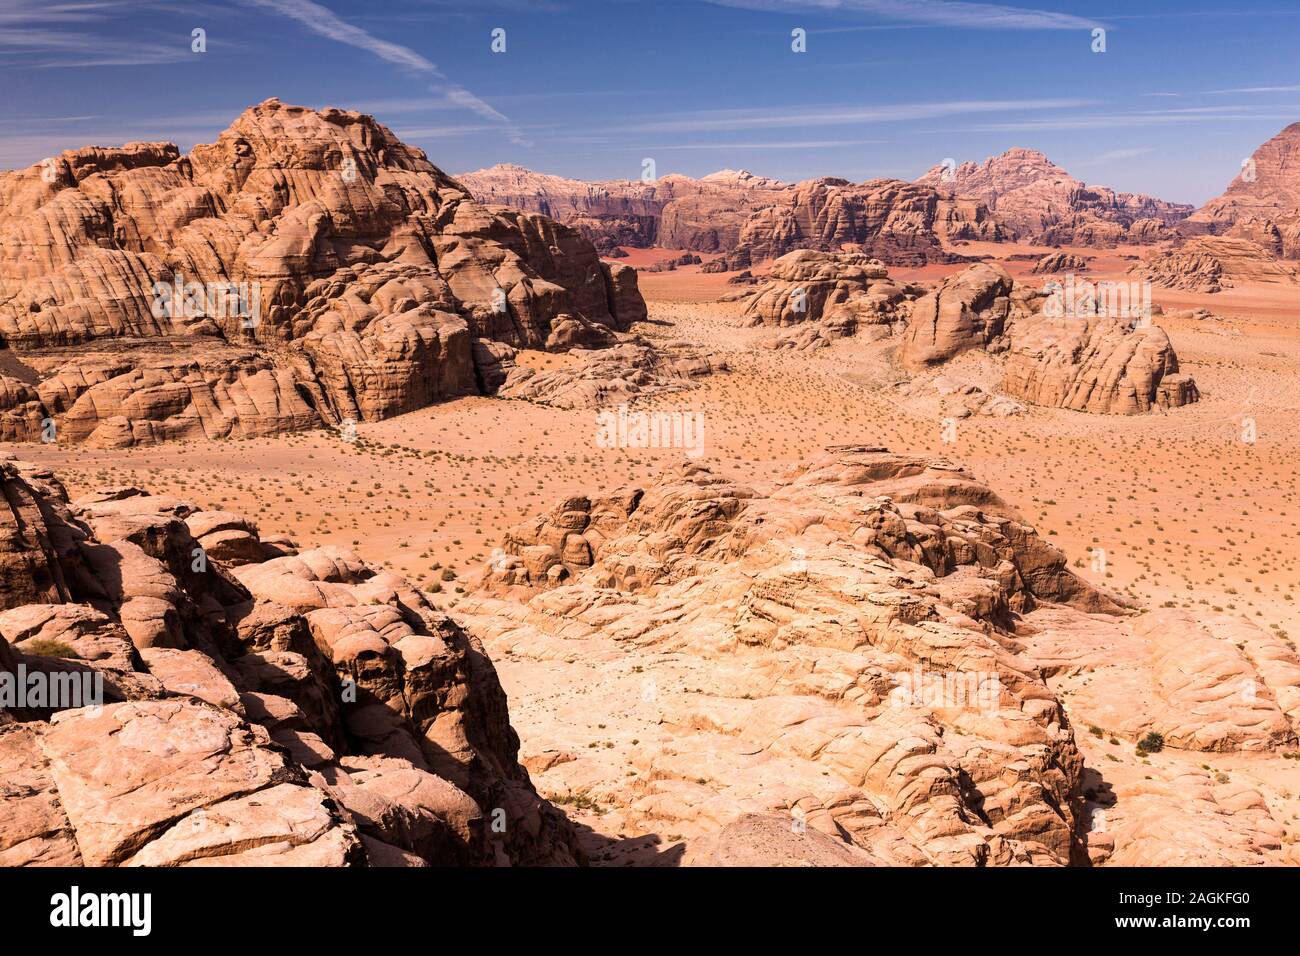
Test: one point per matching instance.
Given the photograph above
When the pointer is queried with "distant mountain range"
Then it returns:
(1018, 195)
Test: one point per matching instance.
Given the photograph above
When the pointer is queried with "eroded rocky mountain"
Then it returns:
(671, 211)
(900, 223)
(746, 217)
(1035, 200)
(1209, 263)
(305, 269)
(1262, 203)
(1094, 361)
(261, 707)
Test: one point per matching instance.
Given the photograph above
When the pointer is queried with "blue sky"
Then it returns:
(589, 88)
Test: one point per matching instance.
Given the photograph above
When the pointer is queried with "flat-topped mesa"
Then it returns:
(306, 268)
(262, 708)
(1034, 199)
(900, 223)
(1262, 203)
(672, 211)
(1109, 364)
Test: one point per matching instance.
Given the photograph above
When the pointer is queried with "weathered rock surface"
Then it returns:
(1033, 199)
(367, 277)
(864, 665)
(1094, 363)
(673, 211)
(304, 710)
(610, 376)
(1059, 262)
(826, 296)
(967, 310)
(1214, 263)
(891, 220)
(788, 626)
(1262, 203)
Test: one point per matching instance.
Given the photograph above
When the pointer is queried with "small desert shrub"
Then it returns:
(1152, 743)
(45, 647)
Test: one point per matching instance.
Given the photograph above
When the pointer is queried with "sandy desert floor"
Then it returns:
(1187, 512)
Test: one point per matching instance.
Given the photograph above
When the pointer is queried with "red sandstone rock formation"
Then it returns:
(261, 707)
(1036, 200)
(673, 211)
(1262, 203)
(367, 277)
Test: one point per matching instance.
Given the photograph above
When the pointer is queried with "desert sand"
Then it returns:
(1189, 515)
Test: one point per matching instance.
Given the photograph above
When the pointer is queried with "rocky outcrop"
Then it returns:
(304, 269)
(609, 376)
(1056, 262)
(967, 310)
(832, 295)
(1212, 264)
(803, 628)
(301, 710)
(673, 211)
(1262, 203)
(1033, 199)
(896, 222)
(1095, 362)
(868, 663)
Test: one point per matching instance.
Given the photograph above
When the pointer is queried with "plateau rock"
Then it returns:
(672, 211)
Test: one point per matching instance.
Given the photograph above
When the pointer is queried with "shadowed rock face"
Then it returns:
(1036, 200)
(1262, 203)
(1093, 363)
(368, 276)
(261, 707)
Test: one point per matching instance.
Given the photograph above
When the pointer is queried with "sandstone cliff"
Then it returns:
(304, 269)
(672, 211)
(260, 708)
(1262, 203)
(1095, 362)
(896, 222)
(1036, 200)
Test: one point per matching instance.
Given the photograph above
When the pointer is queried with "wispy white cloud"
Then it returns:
(940, 13)
(1132, 120)
(809, 116)
(325, 22)
(1116, 155)
(1259, 89)
(47, 36)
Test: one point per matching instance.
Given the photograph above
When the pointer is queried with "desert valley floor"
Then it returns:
(1188, 514)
